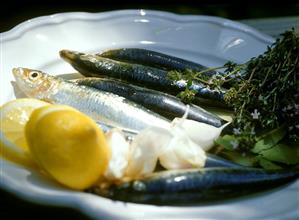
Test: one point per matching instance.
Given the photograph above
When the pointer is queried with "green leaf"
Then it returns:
(174, 75)
(187, 95)
(189, 83)
(268, 165)
(282, 153)
(269, 140)
(226, 141)
(248, 160)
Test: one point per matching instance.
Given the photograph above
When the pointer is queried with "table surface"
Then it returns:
(12, 207)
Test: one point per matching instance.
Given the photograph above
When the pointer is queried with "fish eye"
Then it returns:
(33, 75)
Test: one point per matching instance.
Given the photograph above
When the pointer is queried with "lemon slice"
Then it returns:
(68, 145)
(14, 115)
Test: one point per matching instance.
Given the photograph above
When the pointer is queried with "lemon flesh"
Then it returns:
(14, 115)
(68, 145)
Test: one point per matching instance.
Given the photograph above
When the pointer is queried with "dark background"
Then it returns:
(15, 12)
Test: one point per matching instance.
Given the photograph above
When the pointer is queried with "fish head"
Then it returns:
(33, 83)
(82, 62)
(71, 56)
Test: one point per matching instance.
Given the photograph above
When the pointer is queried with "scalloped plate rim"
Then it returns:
(76, 200)
(62, 17)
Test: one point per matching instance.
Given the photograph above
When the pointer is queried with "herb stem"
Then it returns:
(201, 80)
(207, 70)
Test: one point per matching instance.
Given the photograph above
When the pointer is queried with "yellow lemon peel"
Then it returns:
(68, 145)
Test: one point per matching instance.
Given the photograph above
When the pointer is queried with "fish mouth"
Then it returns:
(69, 55)
(17, 72)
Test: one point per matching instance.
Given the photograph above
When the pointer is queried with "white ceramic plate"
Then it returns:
(208, 40)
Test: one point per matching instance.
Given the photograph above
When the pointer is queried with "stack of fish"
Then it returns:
(129, 89)
(141, 76)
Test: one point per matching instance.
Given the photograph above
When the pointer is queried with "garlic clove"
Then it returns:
(181, 152)
(201, 133)
(145, 148)
(120, 149)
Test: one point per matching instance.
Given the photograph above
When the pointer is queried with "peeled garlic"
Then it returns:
(201, 133)
(181, 152)
(145, 149)
(181, 146)
(120, 150)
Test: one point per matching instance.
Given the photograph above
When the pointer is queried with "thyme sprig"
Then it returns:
(262, 92)
(214, 82)
(268, 96)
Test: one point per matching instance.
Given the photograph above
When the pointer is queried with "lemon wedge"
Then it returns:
(14, 115)
(68, 145)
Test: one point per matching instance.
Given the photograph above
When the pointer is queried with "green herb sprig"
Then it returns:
(267, 95)
(262, 92)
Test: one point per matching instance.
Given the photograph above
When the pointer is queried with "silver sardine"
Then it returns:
(101, 106)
